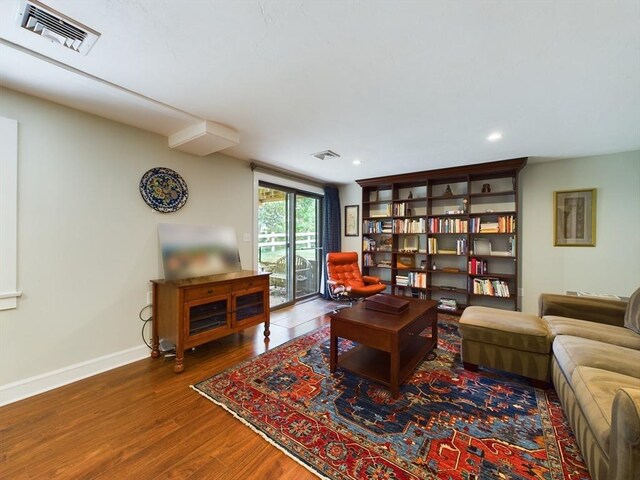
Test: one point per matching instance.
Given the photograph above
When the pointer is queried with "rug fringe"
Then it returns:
(262, 434)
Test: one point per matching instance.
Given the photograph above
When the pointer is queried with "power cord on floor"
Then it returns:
(144, 324)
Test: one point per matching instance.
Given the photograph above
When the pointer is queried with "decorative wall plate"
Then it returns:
(164, 190)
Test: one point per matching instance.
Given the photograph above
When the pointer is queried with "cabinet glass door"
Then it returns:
(207, 316)
(249, 305)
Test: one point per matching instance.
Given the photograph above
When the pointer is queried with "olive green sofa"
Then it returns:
(595, 369)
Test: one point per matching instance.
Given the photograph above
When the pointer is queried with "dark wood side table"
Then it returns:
(390, 345)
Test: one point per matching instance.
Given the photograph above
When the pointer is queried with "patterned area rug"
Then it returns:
(447, 423)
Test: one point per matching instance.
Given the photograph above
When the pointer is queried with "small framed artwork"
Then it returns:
(410, 243)
(351, 220)
(574, 218)
(404, 261)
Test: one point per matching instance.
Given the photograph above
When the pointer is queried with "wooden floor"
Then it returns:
(143, 421)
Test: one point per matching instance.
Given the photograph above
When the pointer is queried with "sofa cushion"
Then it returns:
(595, 331)
(571, 352)
(595, 390)
(632, 315)
(517, 330)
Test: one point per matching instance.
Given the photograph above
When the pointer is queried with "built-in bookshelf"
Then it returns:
(449, 235)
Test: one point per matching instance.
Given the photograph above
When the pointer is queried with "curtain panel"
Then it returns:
(331, 230)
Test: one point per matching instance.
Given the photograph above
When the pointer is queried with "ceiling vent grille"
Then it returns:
(324, 155)
(56, 27)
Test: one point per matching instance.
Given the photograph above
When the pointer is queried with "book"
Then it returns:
(386, 303)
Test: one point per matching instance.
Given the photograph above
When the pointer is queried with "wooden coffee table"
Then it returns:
(390, 346)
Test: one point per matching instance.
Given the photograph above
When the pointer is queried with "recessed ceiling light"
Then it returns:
(357, 162)
(494, 136)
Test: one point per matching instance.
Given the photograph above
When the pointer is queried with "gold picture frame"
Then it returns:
(574, 218)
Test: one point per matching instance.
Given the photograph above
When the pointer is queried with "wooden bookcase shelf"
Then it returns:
(443, 211)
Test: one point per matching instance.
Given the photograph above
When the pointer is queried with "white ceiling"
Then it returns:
(400, 85)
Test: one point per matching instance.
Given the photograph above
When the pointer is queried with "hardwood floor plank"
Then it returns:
(143, 421)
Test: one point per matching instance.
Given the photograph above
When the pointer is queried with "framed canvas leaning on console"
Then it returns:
(574, 218)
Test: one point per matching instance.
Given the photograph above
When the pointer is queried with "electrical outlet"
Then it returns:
(247, 237)
(149, 298)
(520, 292)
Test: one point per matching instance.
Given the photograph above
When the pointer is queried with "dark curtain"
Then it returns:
(331, 229)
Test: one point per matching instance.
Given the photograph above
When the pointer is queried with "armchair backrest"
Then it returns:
(343, 266)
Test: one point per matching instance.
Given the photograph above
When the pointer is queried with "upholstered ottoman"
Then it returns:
(506, 340)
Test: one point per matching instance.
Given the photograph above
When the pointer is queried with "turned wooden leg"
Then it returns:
(179, 365)
(472, 367)
(267, 332)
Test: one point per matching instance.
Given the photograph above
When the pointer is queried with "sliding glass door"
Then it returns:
(289, 242)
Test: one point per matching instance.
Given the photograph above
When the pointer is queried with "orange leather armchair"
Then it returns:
(344, 280)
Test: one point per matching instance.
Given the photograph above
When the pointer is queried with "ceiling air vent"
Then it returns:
(56, 27)
(324, 155)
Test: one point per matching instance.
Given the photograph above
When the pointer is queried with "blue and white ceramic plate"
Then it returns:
(164, 190)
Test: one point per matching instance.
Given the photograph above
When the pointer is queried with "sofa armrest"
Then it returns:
(624, 446)
(370, 279)
(599, 310)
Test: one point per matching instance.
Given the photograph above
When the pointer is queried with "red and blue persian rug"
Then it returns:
(447, 423)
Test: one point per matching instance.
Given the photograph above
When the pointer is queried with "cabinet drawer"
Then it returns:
(249, 284)
(195, 293)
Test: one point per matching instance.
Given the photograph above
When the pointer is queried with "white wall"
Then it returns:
(613, 265)
(87, 242)
(351, 194)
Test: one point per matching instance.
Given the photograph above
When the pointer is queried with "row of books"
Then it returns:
(409, 226)
(394, 226)
(402, 209)
(491, 287)
(377, 226)
(412, 279)
(505, 224)
(478, 267)
(461, 247)
(448, 225)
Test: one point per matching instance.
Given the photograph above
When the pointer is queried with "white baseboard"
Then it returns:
(12, 392)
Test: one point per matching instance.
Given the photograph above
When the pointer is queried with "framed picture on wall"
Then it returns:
(351, 220)
(574, 218)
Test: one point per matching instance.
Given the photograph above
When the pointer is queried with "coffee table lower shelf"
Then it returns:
(376, 364)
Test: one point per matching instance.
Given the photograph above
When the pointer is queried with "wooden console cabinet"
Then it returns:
(193, 311)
